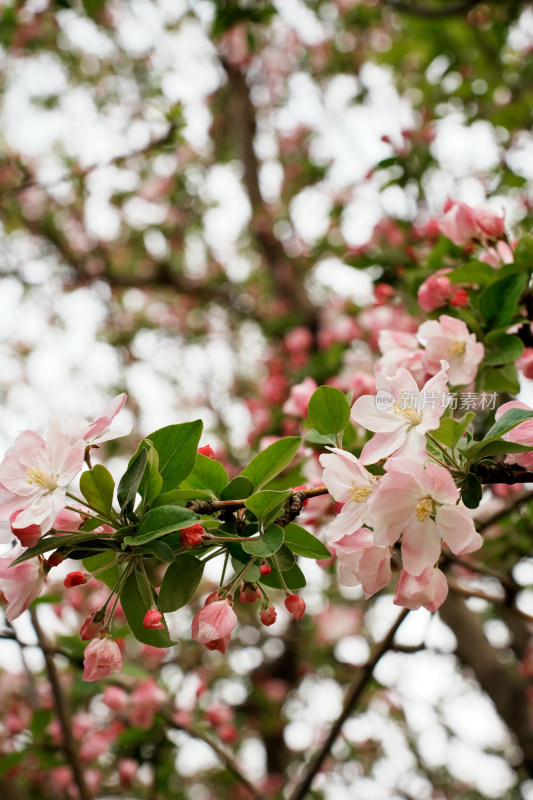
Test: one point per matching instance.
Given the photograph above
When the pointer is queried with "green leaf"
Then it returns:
(329, 410)
(208, 475)
(523, 252)
(503, 350)
(285, 559)
(499, 447)
(445, 433)
(294, 579)
(508, 421)
(180, 582)
(271, 461)
(135, 603)
(160, 521)
(462, 425)
(97, 486)
(314, 437)
(238, 489)
(152, 482)
(472, 491)
(473, 272)
(109, 576)
(498, 301)
(130, 481)
(502, 379)
(177, 447)
(266, 545)
(58, 542)
(159, 549)
(304, 543)
(267, 505)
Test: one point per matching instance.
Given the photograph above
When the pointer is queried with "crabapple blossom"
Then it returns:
(152, 619)
(449, 339)
(435, 292)
(401, 349)
(520, 434)
(268, 615)
(300, 394)
(420, 504)
(362, 563)
(100, 430)
(463, 224)
(37, 473)
(214, 623)
(349, 483)
(20, 584)
(429, 589)
(400, 414)
(295, 605)
(101, 658)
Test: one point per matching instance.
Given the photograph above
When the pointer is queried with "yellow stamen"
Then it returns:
(38, 477)
(409, 413)
(360, 493)
(458, 348)
(424, 508)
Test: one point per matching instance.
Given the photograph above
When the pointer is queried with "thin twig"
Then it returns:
(352, 696)
(221, 752)
(212, 506)
(68, 741)
(501, 601)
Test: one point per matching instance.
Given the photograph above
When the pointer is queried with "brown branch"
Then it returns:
(68, 742)
(352, 696)
(221, 752)
(213, 506)
(502, 473)
(510, 505)
(501, 682)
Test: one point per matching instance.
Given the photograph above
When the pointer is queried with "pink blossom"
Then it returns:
(37, 473)
(348, 482)
(20, 584)
(362, 563)
(497, 256)
(490, 223)
(400, 349)
(299, 397)
(459, 224)
(146, 700)
(298, 339)
(434, 293)
(520, 434)
(28, 536)
(295, 605)
(400, 414)
(429, 589)
(214, 623)
(101, 658)
(152, 619)
(268, 615)
(102, 429)
(115, 698)
(449, 339)
(420, 504)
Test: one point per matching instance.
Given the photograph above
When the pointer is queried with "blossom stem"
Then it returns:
(448, 458)
(224, 568)
(111, 519)
(239, 577)
(279, 574)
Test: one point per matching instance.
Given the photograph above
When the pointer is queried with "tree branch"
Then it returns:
(502, 473)
(295, 500)
(68, 741)
(352, 696)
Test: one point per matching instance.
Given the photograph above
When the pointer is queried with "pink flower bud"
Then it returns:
(249, 593)
(213, 624)
(191, 536)
(90, 628)
(115, 698)
(75, 579)
(152, 619)
(295, 605)
(460, 299)
(102, 657)
(206, 450)
(268, 615)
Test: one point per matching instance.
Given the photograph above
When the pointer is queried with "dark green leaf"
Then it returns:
(152, 482)
(497, 302)
(314, 437)
(135, 604)
(294, 579)
(285, 559)
(130, 481)
(502, 379)
(267, 505)
(472, 491)
(97, 486)
(238, 489)
(180, 497)
(504, 350)
(160, 521)
(304, 543)
(208, 475)
(177, 447)
(55, 542)
(473, 272)
(271, 461)
(160, 550)
(109, 576)
(266, 545)
(328, 410)
(508, 421)
(180, 582)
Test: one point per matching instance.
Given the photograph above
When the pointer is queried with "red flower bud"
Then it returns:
(265, 569)
(295, 605)
(90, 628)
(206, 450)
(152, 619)
(75, 579)
(249, 593)
(191, 536)
(268, 615)
(55, 559)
